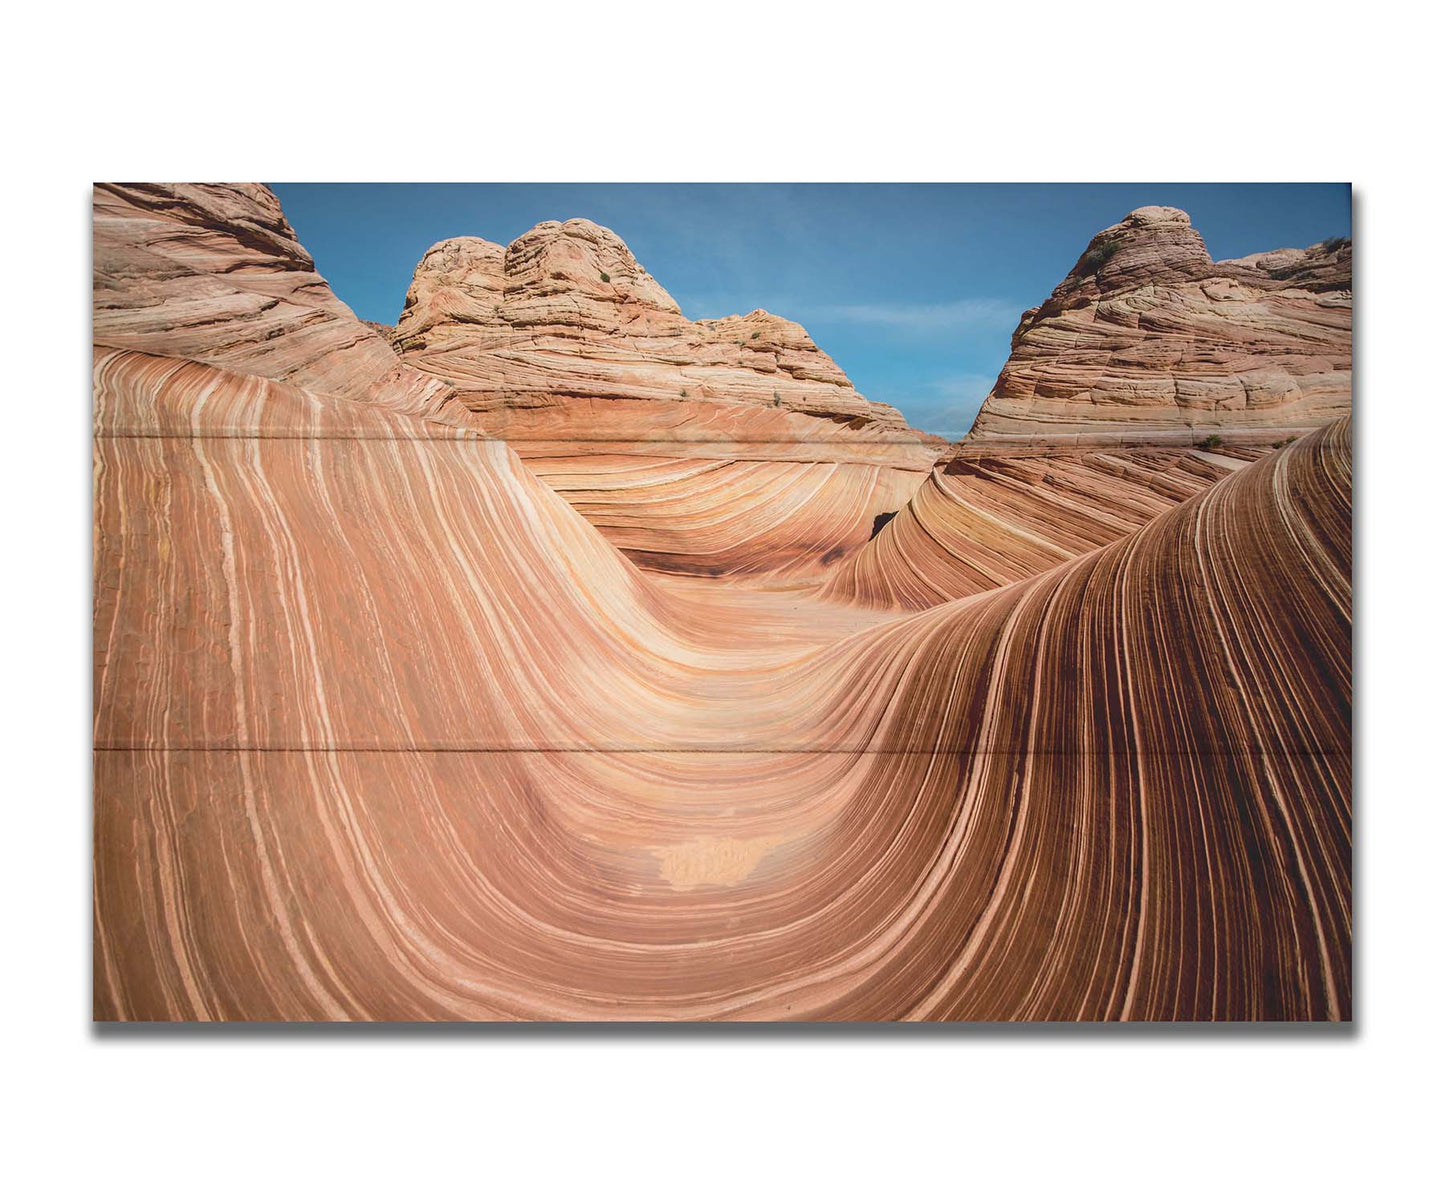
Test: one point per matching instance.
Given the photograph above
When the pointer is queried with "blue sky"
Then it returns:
(912, 289)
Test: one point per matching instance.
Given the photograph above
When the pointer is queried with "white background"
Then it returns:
(904, 91)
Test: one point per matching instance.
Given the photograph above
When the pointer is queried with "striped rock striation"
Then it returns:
(986, 518)
(733, 446)
(385, 729)
(1150, 340)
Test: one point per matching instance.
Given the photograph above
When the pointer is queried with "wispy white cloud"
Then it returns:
(962, 384)
(924, 320)
(932, 334)
(946, 406)
(934, 318)
(702, 306)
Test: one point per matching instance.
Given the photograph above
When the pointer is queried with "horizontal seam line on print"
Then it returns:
(463, 437)
(694, 750)
(477, 437)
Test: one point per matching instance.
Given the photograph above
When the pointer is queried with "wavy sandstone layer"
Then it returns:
(384, 730)
(985, 519)
(705, 448)
(1150, 340)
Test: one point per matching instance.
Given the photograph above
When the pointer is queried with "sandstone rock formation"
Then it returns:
(731, 446)
(214, 272)
(1148, 339)
(385, 729)
(566, 311)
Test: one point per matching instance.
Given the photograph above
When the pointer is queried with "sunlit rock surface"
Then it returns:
(1148, 339)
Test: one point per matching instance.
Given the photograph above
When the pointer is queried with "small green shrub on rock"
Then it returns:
(1095, 258)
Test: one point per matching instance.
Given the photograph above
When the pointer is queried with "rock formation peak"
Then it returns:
(579, 256)
(1149, 339)
(1157, 215)
(1156, 243)
(472, 301)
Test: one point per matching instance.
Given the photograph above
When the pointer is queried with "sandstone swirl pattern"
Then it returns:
(984, 520)
(386, 729)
